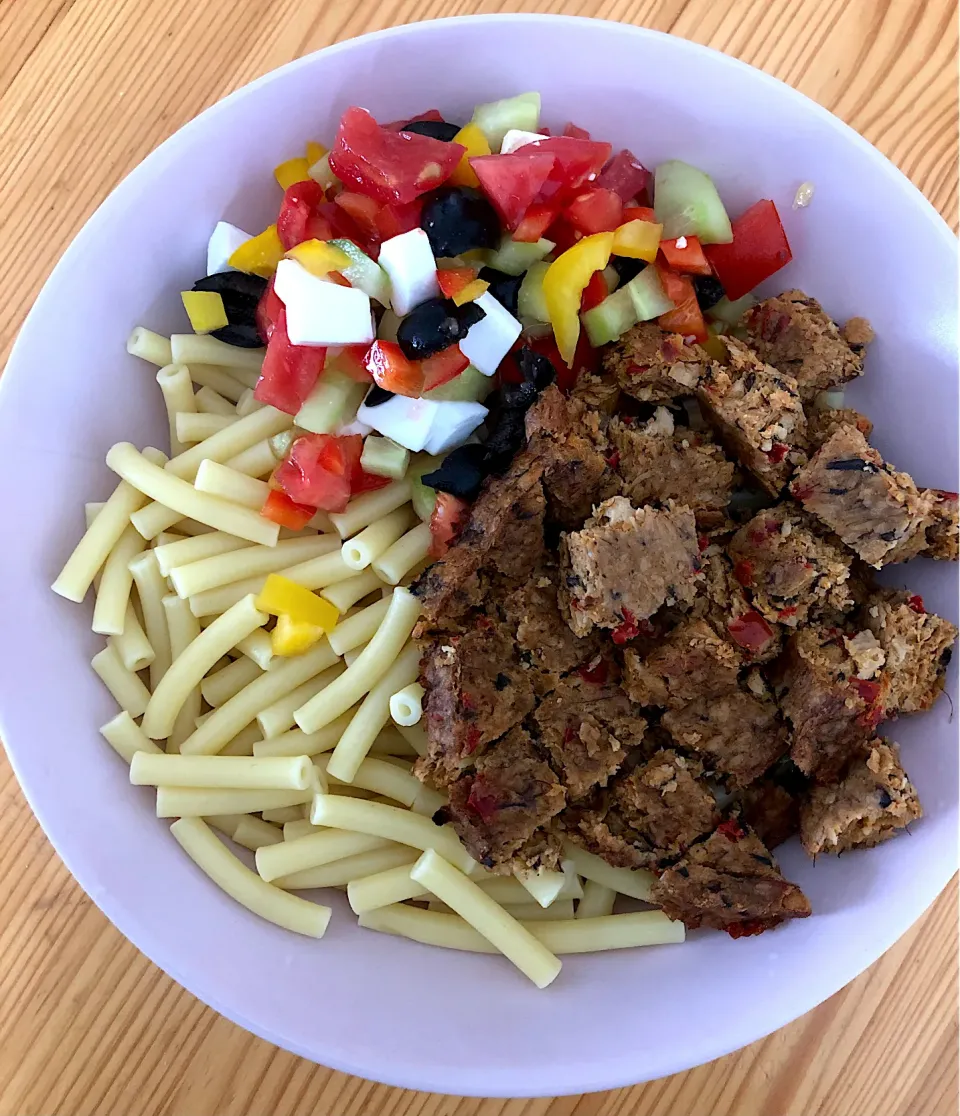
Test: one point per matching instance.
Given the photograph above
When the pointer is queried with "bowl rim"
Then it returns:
(416, 1076)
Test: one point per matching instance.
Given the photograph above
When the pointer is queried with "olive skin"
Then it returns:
(435, 129)
(435, 325)
(240, 294)
(457, 219)
(504, 288)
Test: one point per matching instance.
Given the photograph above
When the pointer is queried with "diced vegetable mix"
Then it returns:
(421, 265)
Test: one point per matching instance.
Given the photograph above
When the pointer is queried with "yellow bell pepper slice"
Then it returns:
(205, 310)
(314, 152)
(638, 239)
(260, 254)
(471, 292)
(319, 257)
(291, 637)
(282, 597)
(293, 170)
(563, 285)
(476, 143)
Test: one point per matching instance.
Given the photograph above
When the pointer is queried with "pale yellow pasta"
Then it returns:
(505, 890)
(634, 882)
(184, 630)
(229, 681)
(125, 736)
(253, 833)
(351, 656)
(101, 537)
(154, 519)
(391, 743)
(370, 507)
(427, 801)
(257, 646)
(406, 705)
(226, 823)
(512, 939)
(285, 773)
(543, 885)
(345, 594)
(167, 537)
(219, 379)
(255, 461)
(127, 689)
(132, 644)
(190, 348)
(415, 736)
(376, 659)
(183, 552)
(296, 742)
(393, 885)
(228, 719)
(341, 872)
(359, 628)
(113, 592)
(228, 484)
(392, 823)
(279, 907)
(236, 438)
(312, 850)
(358, 552)
(198, 802)
(380, 777)
(373, 714)
(406, 553)
(248, 403)
(278, 716)
(147, 345)
(533, 912)
(312, 574)
(299, 828)
(284, 814)
(191, 428)
(250, 561)
(597, 900)
(151, 589)
(176, 494)
(323, 523)
(196, 658)
(177, 391)
(242, 744)
(92, 510)
(210, 402)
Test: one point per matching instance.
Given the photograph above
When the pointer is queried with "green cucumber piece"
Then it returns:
(280, 444)
(514, 257)
(333, 403)
(471, 386)
(423, 497)
(732, 312)
(363, 273)
(531, 305)
(687, 204)
(496, 118)
(384, 458)
(649, 299)
(321, 172)
(611, 277)
(389, 324)
(611, 319)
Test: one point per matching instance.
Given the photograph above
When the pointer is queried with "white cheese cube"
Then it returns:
(355, 427)
(453, 424)
(516, 137)
(408, 422)
(489, 341)
(408, 260)
(224, 241)
(320, 312)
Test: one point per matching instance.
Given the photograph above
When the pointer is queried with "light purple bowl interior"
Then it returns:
(368, 1004)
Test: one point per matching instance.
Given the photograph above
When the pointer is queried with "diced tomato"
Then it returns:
(392, 371)
(758, 250)
(594, 292)
(389, 166)
(535, 222)
(269, 309)
(576, 133)
(362, 481)
(442, 367)
(398, 125)
(687, 317)
(750, 631)
(364, 211)
(512, 182)
(576, 160)
(395, 219)
(563, 235)
(452, 280)
(300, 215)
(449, 518)
(689, 258)
(279, 508)
(625, 175)
(595, 211)
(639, 213)
(289, 371)
(319, 470)
(597, 671)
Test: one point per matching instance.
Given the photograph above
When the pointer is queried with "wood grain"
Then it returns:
(88, 1027)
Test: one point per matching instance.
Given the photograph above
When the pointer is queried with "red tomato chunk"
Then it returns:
(595, 210)
(513, 182)
(449, 517)
(279, 508)
(625, 175)
(289, 371)
(300, 215)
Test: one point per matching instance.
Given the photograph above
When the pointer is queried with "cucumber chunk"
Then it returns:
(515, 257)
(531, 305)
(686, 202)
(423, 497)
(384, 458)
(649, 299)
(496, 118)
(611, 319)
(363, 273)
(732, 312)
(471, 386)
(332, 403)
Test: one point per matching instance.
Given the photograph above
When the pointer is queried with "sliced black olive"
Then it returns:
(851, 465)
(504, 288)
(240, 294)
(233, 283)
(457, 219)
(626, 267)
(377, 395)
(507, 436)
(244, 335)
(709, 290)
(460, 473)
(536, 369)
(518, 397)
(435, 129)
(434, 325)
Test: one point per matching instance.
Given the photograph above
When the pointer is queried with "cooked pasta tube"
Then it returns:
(218, 378)
(286, 773)
(427, 801)
(278, 716)
(147, 345)
(177, 391)
(415, 736)
(198, 802)
(126, 738)
(391, 743)
(296, 742)
(299, 828)
(376, 659)
(543, 885)
(255, 461)
(393, 885)
(219, 688)
(311, 574)
(184, 630)
(151, 589)
(213, 858)
(360, 550)
(627, 881)
(250, 561)
(359, 628)
(127, 689)
(512, 939)
(227, 483)
(168, 489)
(116, 580)
(345, 594)
(101, 537)
(193, 662)
(392, 823)
(242, 744)
(597, 900)
(370, 507)
(91, 510)
(340, 872)
(284, 814)
(382, 778)
(312, 850)
(132, 644)
(226, 823)
(373, 714)
(154, 519)
(248, 403)
(403, 555)
(210, 402)
(533, 912)
(190, 428)
(190, 348)
(257, 646)
(236, 438)
(406, 706)
(186, 551)
(253, 833)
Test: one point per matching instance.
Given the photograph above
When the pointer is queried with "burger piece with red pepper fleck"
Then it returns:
(822, 425)
(875, 510)
(791, 332)
(659, 462)
(771, 804)
(872, 803)
(723, 603)
(729, 881)
(654, 366)
(790, 574)
(943, 531)
(587, 728)
(625, 563)
(691, 662)
(511, 793)
(757, 413)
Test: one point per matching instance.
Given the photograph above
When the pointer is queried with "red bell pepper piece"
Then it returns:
(449, 517)
(289, 371)
(301, 217)
(279, 508)
(452, 280)
(513, 182)
(759, 249)
(626, 176)
(392, 371)
(442, 367)
(639, 213)
(594, 292)
(351, 362)
(398, 125)
(395, 219)
(687, 317)
(595, 210)
(689, 258)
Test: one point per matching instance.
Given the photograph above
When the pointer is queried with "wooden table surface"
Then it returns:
(87, 1025)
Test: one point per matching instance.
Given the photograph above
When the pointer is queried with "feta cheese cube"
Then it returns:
(408, 260)
(407, 421)
(489, 341)
(224, 241)
(516, 137)
(453, 424)
(320, 312)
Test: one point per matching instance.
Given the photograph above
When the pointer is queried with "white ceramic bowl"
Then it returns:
(372, 1005)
